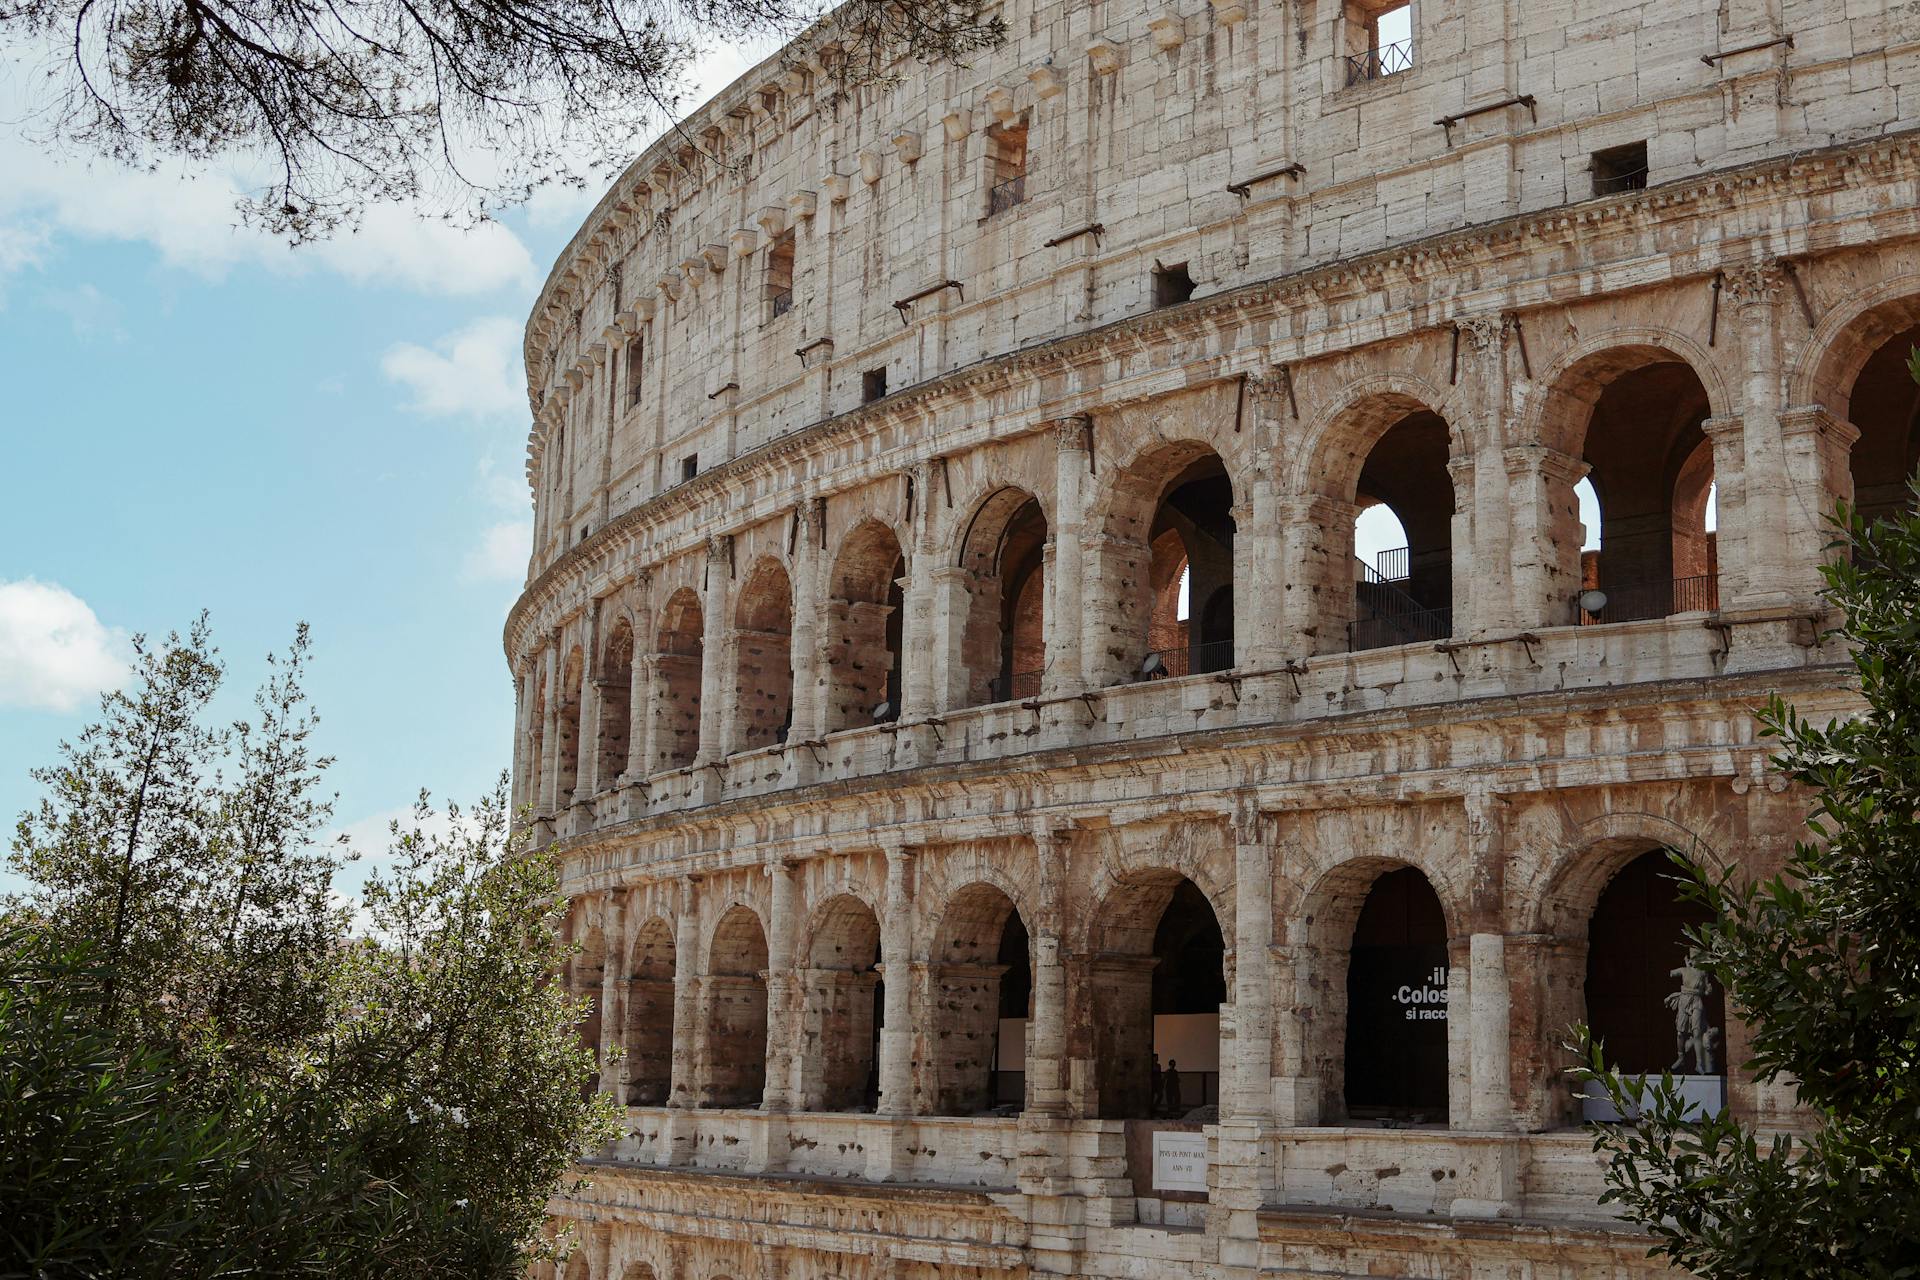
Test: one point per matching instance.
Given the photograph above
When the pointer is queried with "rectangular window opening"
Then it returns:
(1007, 150)
(1620, 169)
(636, 364)
(1171, 284)
(689, 467)
(1379, 39)
(873, 385)
(780, 275)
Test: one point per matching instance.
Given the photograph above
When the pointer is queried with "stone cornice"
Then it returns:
(722, 825)
(1406, 267)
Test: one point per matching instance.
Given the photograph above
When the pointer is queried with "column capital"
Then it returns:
(1070, 433)
(1755, 284)
(1817, 419)
(1481, 331)
(1724, 427)
(1523, 459)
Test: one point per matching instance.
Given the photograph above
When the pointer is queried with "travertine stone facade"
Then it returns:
(946, 672)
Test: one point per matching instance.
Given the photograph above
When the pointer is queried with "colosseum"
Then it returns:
(1116, 632)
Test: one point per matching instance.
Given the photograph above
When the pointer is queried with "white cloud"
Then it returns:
(192, 223)
(54, 653)
(91, 313)
(502, 554)
(472, 372)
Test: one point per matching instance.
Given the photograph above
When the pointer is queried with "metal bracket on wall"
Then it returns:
(1519, 100)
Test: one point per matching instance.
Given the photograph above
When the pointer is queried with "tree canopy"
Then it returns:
(338, 104)
(214, 1062)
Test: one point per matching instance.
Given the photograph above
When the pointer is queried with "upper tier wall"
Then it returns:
(1140, 120)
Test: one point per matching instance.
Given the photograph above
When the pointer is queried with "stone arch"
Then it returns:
(998, 651)
(840, 1007)
(1856, 367)
(679, 655)
(638, 1271)
(865, 614)
(1324, 929)
(1167, 516)
(1626, 410)
(1157, 952)
(586, 977)
(735, 994)
(651, 968)
(616, 701)
(763, 659)
(1386, 442)
(566, 723)
(982, 981)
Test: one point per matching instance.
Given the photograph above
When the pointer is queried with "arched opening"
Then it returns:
(566, 723)
(1190, 555)
(1003, 648)
(735, 991)
(1158, 976)
(982, 998)
(637, 1271)
(763, 671)
(1403, 593)
(1885, 406)
(616, 703)
(1647, 1005)
(1634, 416)
(586, 972)
(678, 661)
(1396, 1032)
(865, 615)
(841, 1009)
(649, 1030)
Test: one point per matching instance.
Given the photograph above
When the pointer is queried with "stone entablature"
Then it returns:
(679, 243)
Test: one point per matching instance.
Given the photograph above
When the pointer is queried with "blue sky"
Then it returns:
(197, 416)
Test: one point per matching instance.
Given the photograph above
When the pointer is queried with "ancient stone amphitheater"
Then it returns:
(1112, 630)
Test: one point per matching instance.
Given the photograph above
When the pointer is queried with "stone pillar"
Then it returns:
(550, 735)
(1489, 1030)
(689, 1036)
(1766, 506)
(1316, 539)
(1065, 673)
(1047, 1033)
(781, 1047)
(588, 746)
(806, 638)
(716, 646)
(524, 683)
(896, 942)
(1260, 641)
(613, 990)
(1243, 1165)
(952, 607)
(1545, 538)
(1481, 532)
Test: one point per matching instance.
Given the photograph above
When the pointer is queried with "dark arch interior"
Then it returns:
(1396, 1008)
(1635, 941)
(1651, 468)
(1413, 598)
(1157, 990)
(982, 984)
(1022, 597)
(1885, 406)
(1192, 534)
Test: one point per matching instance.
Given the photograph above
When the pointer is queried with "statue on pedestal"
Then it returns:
(1691, 1034)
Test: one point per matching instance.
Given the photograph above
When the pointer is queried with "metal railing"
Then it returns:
(1378, 64)
(1383, 631)
(1606, 184)
(1638, 601)
(1007, 194)
(1013, 688)
(1392, 565)
(1194, 659)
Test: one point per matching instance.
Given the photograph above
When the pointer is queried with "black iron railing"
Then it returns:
(1391, 565)
(1013, 688)
(1007, 194)
(1191, 660)
(1606, 184)
(1637, 601)
(1377, 64)
(1410, 626)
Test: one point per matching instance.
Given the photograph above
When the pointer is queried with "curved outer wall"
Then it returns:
(873, 433)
